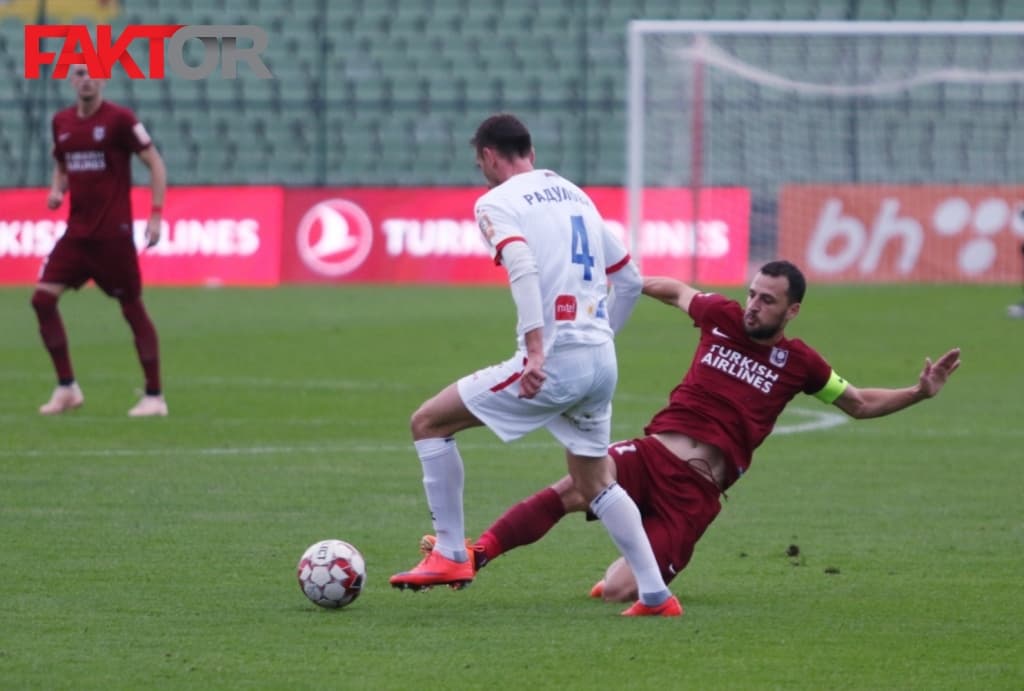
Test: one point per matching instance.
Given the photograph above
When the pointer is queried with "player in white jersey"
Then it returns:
(557, 220)
(560, 258)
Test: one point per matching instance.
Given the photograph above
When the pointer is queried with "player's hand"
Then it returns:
(54, 199)
(153, 230)
(533, 377)
(934, 375)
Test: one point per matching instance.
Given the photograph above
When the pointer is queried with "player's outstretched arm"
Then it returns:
(868, 403)
(670, 291)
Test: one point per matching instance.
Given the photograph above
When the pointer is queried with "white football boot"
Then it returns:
(149, 406)
(63, 399)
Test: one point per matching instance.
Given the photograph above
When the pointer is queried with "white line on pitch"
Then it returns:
(340, 447)
(819, 420)
(247, 382)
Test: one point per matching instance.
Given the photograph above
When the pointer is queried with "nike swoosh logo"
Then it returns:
(62, 136)
(715, 331)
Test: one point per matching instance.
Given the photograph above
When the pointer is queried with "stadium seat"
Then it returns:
(379, 83)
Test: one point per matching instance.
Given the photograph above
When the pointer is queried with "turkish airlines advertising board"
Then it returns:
(268, 235)
(211, 235)
(414, 235)
(903, 233)
(429, 235)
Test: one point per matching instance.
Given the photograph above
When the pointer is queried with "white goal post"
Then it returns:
(866, 151)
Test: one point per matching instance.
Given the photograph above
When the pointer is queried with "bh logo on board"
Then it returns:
(334, 237)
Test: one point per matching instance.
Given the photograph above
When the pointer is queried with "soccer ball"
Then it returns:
(332, 573)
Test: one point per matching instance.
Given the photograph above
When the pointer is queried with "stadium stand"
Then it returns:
(377, 92)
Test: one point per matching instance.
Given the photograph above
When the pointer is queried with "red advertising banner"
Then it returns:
(384, 235)
(903, 233)
(667, 238)
(267, 235)
(428, 235)
(211, 235)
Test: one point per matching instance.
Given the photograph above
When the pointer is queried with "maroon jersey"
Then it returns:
(96, 153)
(735, 388)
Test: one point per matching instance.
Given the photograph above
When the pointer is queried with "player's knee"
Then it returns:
(44, 302)
(589, 487)
(421, 423)
(130, 306)
(572, 499)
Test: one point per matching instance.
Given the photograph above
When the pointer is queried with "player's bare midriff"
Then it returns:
(706, 459)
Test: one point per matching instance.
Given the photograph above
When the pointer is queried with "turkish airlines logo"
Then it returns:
(334, 237)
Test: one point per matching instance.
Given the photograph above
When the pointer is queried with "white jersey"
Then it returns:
(573, 249)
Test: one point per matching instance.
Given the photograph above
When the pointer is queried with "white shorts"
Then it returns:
(574, 403)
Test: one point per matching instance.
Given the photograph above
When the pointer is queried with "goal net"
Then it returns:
(861, 151)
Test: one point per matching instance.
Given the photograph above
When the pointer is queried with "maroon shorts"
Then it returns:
(112, 263)
(676, 502)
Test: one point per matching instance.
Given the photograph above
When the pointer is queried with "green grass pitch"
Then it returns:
(161, 553)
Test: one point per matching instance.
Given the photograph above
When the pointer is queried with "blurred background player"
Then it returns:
(1017, 311)
(743, 374)
(560, 258)
(93, 142)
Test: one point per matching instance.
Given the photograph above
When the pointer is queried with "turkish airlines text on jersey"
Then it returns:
(926, 233)
(210, 236)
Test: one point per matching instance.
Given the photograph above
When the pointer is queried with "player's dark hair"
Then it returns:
(797, 282)
(504, 133)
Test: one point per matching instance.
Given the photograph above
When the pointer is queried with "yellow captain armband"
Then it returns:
(833, 389)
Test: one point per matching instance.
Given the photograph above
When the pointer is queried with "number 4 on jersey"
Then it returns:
(581, 247)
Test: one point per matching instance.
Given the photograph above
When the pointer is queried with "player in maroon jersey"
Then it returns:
(93, 142)
(743, 374)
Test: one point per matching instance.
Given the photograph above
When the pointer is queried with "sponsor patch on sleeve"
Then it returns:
(486, 227)
(141, 134)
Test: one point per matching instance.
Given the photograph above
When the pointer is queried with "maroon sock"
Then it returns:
(523, 523)
(51, 328)
(146, 344)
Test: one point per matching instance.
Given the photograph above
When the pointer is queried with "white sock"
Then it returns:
(621, 518)
(443, 478)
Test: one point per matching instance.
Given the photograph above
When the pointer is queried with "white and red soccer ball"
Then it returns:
(332, 573)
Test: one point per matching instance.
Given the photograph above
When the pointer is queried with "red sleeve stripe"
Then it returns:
(501, 246)
(617, 265)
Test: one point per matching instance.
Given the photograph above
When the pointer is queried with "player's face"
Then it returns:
(768, 308)
(85, 86)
